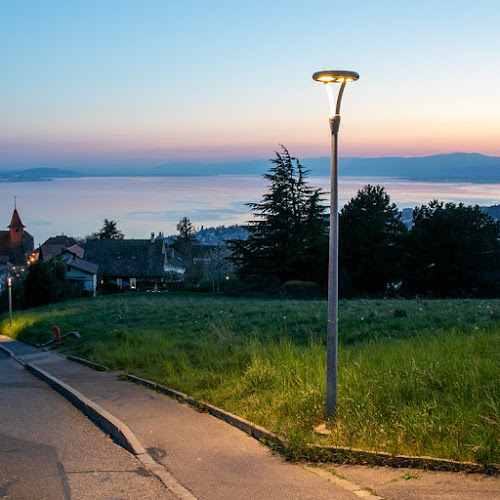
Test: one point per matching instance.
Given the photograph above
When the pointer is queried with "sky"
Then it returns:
(101, 81)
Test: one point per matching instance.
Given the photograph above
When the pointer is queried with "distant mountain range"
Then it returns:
(455, 167)
(37, 174)
(466, 167)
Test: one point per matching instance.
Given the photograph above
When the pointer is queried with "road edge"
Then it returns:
(119, 431)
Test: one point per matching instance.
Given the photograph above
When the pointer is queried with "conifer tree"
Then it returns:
(371, 238)
(109, 231)
(186, 242)
(288, 237)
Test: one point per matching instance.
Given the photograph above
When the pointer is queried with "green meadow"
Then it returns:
(416, 377)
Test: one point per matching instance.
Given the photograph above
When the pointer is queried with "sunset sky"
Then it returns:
(158, 80)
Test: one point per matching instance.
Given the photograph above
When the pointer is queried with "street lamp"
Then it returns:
(9, 285)
(328, 77)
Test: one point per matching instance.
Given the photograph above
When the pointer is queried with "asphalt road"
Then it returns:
(49, 450)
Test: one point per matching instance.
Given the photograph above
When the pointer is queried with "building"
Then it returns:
(128, 264)
(79, 270)
(53, 247)
(16, 247)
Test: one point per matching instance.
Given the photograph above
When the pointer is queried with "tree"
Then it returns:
(371, 237)
(186, 242)
(288, 237)
(109, 231)
(43, 281)
(451, 249)
(186, 229)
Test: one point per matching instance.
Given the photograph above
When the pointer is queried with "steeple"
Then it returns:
(16, 228)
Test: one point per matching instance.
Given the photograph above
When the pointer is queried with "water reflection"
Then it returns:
(142, 205)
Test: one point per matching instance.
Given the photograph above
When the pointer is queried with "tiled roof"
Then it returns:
(127, 258)
(48, 251)
(174, 258)
(76, 250)
(62, 239)
(84, 265)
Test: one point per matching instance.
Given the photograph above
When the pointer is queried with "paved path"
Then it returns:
(208, 459)
(49, 450)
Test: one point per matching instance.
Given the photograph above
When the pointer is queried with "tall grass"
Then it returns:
(416, 377)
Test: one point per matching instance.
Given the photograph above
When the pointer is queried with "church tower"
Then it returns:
(16, 228)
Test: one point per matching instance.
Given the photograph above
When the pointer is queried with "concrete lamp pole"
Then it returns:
(328, 77)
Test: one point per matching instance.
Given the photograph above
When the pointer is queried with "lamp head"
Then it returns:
(334, 76)
(9, 281)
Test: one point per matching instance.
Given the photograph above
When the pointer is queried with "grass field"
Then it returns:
(418, 377)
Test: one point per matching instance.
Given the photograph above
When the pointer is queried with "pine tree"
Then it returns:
(186, 242)
(109, 231)
(287, 239)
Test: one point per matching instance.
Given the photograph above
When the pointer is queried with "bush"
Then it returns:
(255, 285)
(303, 290)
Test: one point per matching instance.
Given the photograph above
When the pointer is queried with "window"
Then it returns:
(133, 283)
(119, 282)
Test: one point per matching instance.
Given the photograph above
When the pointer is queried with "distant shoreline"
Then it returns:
(455, 167)
(372, 177)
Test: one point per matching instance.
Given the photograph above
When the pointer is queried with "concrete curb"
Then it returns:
(117, 429)
(120, 432)
(86, 362)
(320, 453)
(257, 432)
(313, 453)
(11, 354)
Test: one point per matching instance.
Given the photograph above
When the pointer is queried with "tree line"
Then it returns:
(452, 250)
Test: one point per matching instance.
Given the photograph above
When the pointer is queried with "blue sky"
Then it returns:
(161, 80)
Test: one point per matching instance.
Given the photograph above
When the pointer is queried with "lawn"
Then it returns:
(416, 377)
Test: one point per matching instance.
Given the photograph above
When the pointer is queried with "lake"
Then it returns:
(142, 205)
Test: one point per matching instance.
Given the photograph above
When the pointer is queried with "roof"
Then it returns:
(174, 259)
(62, 239)
(84, 265)
(16, 220)
(48, 251)
(76, 250)
(127, 258)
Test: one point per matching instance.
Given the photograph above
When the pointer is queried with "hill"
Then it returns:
(455, 167)
(37, 174)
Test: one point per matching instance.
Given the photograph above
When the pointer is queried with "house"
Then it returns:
(174, 263)
(80, 270)
(129, 264)
(53, 247)
(16, 247)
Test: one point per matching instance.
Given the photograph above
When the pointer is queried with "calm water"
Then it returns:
(142, 205)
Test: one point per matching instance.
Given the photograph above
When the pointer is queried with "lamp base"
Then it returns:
(322, 430)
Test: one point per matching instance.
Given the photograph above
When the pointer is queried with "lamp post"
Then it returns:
(9, 285)
(328, 77)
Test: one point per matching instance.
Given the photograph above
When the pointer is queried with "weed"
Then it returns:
(410, 475)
